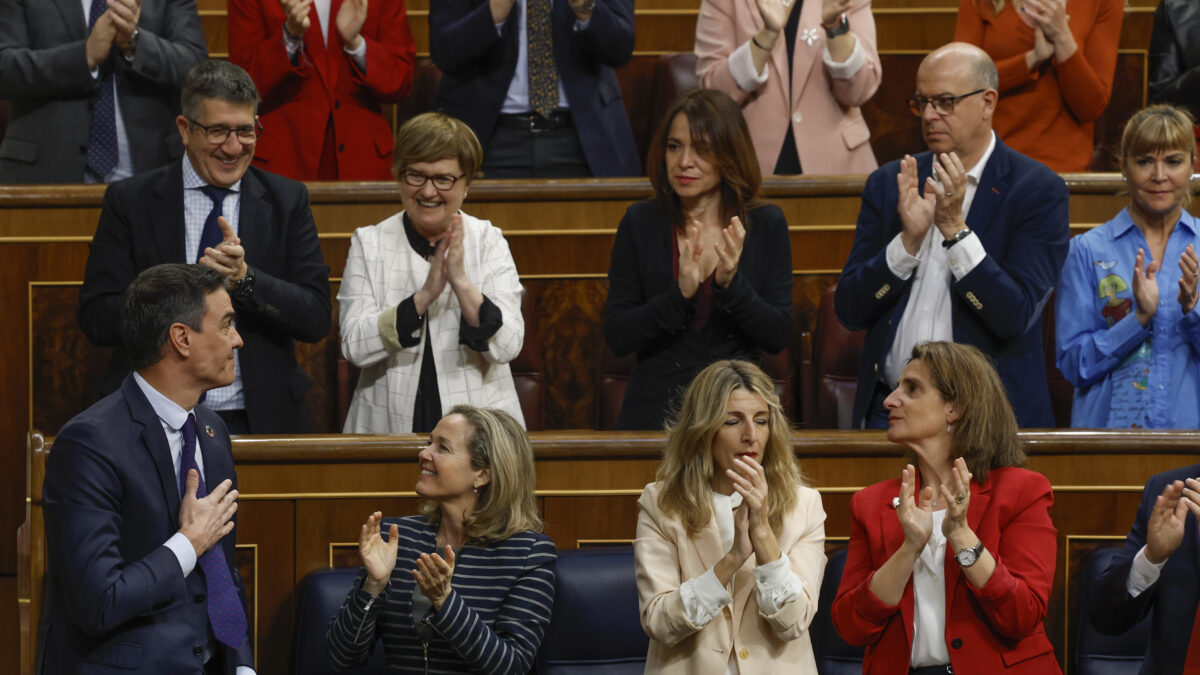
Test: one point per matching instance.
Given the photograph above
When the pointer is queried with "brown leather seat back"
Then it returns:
(832, 379)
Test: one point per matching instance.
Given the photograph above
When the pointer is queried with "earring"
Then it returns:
(475, 489)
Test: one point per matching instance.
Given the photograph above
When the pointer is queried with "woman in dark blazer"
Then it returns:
(958, 572)
(466, 587)
(703, 270)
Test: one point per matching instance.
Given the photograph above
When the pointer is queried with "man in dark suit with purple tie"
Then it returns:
(140, 496)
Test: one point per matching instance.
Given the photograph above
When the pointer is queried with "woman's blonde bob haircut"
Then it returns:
(1159, 128)
(506, 504)
(985, 433)
(686, 471)
(434, 136)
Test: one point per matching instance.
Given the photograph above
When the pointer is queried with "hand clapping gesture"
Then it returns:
(1145, 287)
(916, 211)
(1051, 18)
(297, 21)
(350, 18)
(915, 512)
(378, 556)
(433, 575)
(750, 481)
(774, 14)
(948, 191)
(1188, 266)
(729, 251)
(958, 501)
(228, 258)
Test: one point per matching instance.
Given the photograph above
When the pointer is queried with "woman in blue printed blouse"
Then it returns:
(1127, 327)
(468, 586)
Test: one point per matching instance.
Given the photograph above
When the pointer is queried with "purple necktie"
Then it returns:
(225, 611)
(102, 139)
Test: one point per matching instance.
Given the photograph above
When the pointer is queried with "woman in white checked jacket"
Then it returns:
(430, 301)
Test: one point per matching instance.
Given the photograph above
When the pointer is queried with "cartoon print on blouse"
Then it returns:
(1114, 308)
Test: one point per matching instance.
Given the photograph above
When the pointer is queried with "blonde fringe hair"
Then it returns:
(506, 504)
(985, 433)
(1154, 129)
(686, 472)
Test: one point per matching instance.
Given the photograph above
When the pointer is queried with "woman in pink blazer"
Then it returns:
(730, 545)
(799, 74)
(952, 564)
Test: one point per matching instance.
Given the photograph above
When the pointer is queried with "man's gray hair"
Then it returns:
(985, 73)
(214, 79)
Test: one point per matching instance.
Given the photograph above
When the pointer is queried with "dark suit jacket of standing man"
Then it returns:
(44, 72)
(477, 65)
(116, 599)
(1174, 597)
(142, 225)
(1020, 217)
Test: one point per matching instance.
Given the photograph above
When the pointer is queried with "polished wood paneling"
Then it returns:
(303, 500)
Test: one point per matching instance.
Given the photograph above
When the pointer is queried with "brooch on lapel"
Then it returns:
(209, 430)
(809, 36)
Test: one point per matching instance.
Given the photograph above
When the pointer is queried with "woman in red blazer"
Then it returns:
(322, 76)
(952, 564)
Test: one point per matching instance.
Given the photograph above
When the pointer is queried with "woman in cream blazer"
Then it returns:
(430, 253)
(741, 53)
(729, 551)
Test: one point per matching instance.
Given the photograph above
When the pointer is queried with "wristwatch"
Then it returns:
(958, 236)
(969, 556)
(842, 28)
(243, 288)
(133, 40)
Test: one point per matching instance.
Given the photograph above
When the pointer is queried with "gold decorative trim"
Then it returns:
(1067, 585)
(257, 613)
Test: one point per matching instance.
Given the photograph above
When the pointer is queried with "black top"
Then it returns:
(788, 163)
(645, 312)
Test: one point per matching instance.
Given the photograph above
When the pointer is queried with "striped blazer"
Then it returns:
(493, 622)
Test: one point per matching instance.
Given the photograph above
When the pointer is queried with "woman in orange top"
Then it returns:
(1056, 67)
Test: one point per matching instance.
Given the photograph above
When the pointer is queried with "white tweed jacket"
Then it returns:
(383, 270)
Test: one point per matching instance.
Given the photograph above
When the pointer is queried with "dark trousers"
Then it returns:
(532, 146)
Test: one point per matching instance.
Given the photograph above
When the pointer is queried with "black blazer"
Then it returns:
(1173, 597)
(645, 312)
(116, 600)
(142, 225)
(478, 63)
(1175, 54)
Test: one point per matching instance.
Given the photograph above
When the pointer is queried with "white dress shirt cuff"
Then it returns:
(965, 255)
(181, 546)
(899, 261)
(359, 55)
(741, 67)
(581, 26)
(848, 68)
(703, 597)
(777, 585)
(1142, 574)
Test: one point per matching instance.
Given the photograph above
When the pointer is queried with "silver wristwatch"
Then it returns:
(969, 556)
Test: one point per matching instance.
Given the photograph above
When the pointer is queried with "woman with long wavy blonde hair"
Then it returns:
(727, 515)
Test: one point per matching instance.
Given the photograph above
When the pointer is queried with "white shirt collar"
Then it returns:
(192, 180)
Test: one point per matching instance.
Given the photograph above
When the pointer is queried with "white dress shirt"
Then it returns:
(929, 600)
(927, 315)
(294, 44)
(124, 165)
(516, 102)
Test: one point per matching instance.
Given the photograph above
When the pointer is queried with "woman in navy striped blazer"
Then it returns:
(468, 585)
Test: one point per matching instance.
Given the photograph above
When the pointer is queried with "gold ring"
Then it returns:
(960, 498)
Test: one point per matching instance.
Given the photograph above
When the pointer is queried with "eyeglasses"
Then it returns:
(441, 182)
(217, 134)
(942, 105)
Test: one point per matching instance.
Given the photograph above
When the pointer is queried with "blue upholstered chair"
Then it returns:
(834, 656)
(320, 598)
(1095, 653)
(595, 628)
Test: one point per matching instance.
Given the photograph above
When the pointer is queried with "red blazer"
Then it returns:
(994, 629)
(297, 101)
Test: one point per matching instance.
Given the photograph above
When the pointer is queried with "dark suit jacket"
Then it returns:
(645, 313)
(1020, 216)
(995, 629)
(1173, 597)
(477, 67)
(1175, 54)
(43, 70)
(116, 598)
(142, 225)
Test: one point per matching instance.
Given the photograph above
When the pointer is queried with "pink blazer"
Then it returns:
(830, 132)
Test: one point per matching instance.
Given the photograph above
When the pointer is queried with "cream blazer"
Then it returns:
(382, 270)
(831, 135)
(666, 556)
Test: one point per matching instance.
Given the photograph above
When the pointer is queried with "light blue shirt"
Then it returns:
(196, 206)
(1097, 330)
(124, 166)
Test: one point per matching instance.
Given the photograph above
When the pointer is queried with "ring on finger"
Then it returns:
(960, 498)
